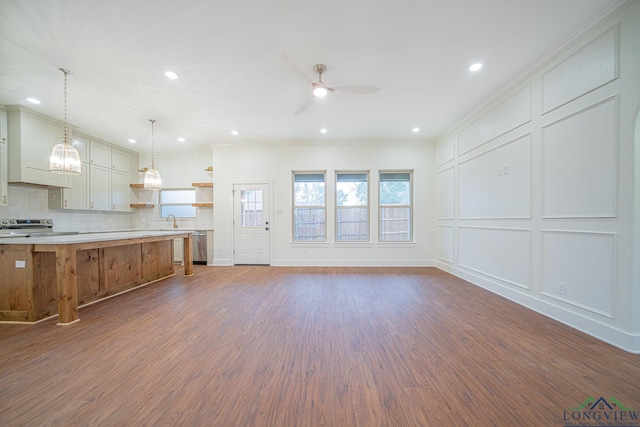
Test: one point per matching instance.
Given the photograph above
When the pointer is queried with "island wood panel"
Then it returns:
(67, 283)
(120, 268)
(15, 301)
(44, 282)
(45, 292)
(66, 275)
(157, 260)
(88, 276)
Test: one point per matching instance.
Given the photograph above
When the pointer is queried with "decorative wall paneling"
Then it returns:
(445, 151)
(446, 194)
(506, 116)
(497, 183)
(571, 121)
(579, 163)
(446, 243)
(591, 67)
(500, 253)
(578, 268)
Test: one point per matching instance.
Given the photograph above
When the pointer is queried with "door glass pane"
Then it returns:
(251, 208)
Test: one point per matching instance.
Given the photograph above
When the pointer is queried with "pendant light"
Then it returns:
(152, 180)
(65, 158)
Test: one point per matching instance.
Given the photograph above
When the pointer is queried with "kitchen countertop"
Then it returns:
(90, 237)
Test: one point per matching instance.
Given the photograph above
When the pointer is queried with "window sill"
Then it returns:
(353, 244)
(309, 244)
(411, 244)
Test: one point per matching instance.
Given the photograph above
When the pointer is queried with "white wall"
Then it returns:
(178, 170)
(274, 164)
(535, 190)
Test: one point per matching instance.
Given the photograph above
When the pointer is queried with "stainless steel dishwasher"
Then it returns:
(199, 242)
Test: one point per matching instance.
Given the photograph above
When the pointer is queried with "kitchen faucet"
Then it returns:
(174, 220)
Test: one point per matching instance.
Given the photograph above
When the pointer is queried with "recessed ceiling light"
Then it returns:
(132, 141)
(475, 67)
(415, 130)
(181, 139)
(33, 100)
(235, 132)
(171, 75)
(323, 130)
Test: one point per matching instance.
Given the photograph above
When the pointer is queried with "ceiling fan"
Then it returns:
(319, 88)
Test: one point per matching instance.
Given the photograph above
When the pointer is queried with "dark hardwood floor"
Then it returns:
(275, 346)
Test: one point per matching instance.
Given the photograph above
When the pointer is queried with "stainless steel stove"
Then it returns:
(28, 228)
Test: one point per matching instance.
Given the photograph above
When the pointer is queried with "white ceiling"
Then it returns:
(233, 75)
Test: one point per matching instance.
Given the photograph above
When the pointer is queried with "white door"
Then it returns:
(251, 224)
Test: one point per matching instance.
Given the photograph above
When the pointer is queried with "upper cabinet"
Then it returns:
(104, 183)
(100, 154)
(109, 177)
(77, 196)
(29, 141)
(3, 157)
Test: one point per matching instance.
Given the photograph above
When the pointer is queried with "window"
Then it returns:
(395, 207)
(309, 211)
(178, 202)
(251, 208)
(352, 206)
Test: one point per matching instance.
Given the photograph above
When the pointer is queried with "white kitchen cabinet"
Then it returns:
(30, 137)
(100, 184)
(120, 160)
(77, 197)
(4, 164)
(120, 191)
(100, 154)
(110, 167)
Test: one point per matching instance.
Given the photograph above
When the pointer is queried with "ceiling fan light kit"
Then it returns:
(319, 88)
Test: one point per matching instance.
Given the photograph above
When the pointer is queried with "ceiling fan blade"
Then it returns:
(304, 106)
(357, 89)
(297, 65)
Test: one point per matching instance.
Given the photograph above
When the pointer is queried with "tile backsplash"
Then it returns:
(33, 202)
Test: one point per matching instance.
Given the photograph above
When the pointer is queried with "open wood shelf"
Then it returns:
(142, 205)
(202, 205)
(136, 185)
(202, 184)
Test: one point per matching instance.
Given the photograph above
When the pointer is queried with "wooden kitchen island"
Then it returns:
(44, 276)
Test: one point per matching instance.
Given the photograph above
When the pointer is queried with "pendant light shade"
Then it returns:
(65, 158)
(152, 179)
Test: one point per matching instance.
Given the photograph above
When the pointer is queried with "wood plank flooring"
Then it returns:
(276, 346)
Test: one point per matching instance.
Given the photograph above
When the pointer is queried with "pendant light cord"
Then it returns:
(152, 162)
(66, 133)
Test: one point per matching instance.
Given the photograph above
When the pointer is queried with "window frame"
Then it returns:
(161, 204)
(294, 207)
(366, 173)
(410, 206)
